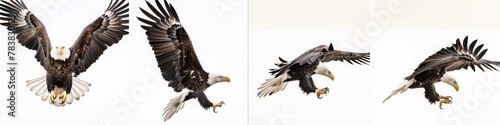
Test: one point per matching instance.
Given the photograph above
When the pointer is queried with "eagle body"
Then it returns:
(426, 80)
(461, 55)
(177, 59)
(303, 73)
(63, 64)
(428, 77)
(198, 81)
(59, 73)
(306, 65)
(297, 71)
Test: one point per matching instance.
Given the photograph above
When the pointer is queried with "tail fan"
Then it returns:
(175, 105)
(272, 85)
(39, 87)
(402, 88)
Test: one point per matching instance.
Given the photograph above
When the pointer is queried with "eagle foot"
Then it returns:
(214, 105)
(52, 97)
(445, 100)
(320, 92)
(62, 97)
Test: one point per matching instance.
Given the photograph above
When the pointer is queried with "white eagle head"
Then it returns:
(60, 53)
(323, 70)
(216, 78)
(448, 79)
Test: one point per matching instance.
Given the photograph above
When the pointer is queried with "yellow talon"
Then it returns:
(322, 91)
(62, 97)
(52, 96)
(445, 100)
(214, 105)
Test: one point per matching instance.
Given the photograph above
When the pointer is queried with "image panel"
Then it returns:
(287, 29)
(407, 33)
(471, 91)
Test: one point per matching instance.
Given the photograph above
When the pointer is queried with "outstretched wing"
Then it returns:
(458, 56)
(468, 56)
(350, 57)
(30, 31)
(312, 55)
(172, 46)
(105, 31)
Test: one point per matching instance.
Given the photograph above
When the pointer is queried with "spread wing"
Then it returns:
(314, 54)
(30, 31)
(350, 57)
(105, 31)
(172, 46)
(458, 56)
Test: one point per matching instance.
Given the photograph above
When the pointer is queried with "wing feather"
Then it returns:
(172, 47)
(314, 54)
(30, 30)
(350, 57)
(105, 31)
(458, 56)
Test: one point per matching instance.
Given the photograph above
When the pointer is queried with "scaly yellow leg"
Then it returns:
(62, 97)
(320, 92)
(214, 105)
(52, 96)
(444, 100)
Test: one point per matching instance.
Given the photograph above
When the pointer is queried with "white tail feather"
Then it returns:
(272, 85)
(402, 88)
(39, 87)
(175, 105)
(79, 88)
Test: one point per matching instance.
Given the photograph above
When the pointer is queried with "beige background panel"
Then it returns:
(312, 14)
(443, 14)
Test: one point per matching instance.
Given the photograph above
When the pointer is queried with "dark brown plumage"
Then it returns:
(105, 31)
(177, 58)
(307, 64)
(460, 55)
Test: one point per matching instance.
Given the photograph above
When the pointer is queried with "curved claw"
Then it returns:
(440, 105)
(62, 97)
(450, 100)
(320, 97)
(445, 100)
(217, 105)
(52, 97)
(320, 92)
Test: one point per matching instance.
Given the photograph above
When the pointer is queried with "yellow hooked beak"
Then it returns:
(59, 50)
(331, 76)
(456, 87)
(226, 79)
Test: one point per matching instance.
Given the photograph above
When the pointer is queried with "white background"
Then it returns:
(350, 92)
(397, 53)
(287, 28)
(127, 87)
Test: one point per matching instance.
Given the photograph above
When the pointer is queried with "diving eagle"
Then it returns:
(433, 69)
(307, 64)
(177, 59)
(64, 64)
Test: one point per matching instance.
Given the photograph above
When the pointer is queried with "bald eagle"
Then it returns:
(177, 59)
(434, 69)
(64, 64)
(307, 64)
